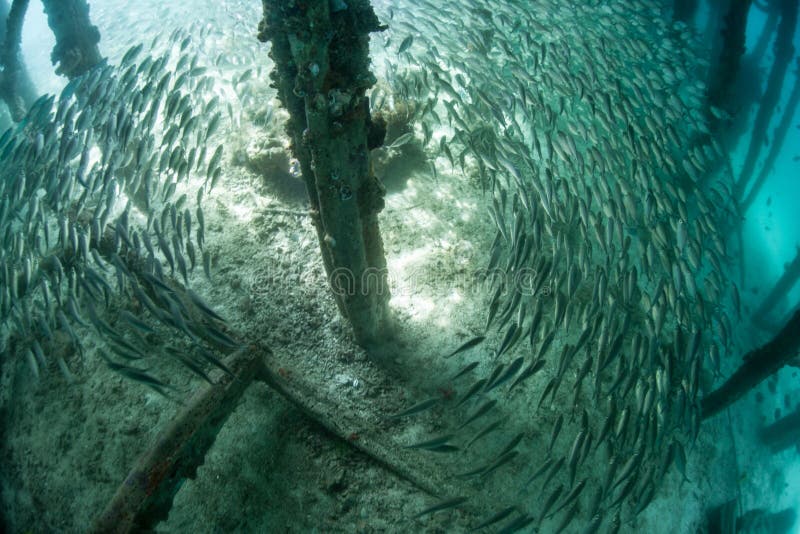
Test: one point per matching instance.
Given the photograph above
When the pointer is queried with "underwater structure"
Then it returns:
(354, 266)
(784, 52)
(321, 54)
(16, 87)
(76, 50)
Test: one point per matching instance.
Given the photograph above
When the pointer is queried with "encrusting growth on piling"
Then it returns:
(76, 50)
(321, 55)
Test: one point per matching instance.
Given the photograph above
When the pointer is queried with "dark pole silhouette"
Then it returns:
(758, 365)
(778, 137)
(684, 10)
(784, 52)
(783, 433)
(733, 41)
(766, 35)
(789, 278)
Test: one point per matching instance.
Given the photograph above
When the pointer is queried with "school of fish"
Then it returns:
(99, 222)
(585, 126)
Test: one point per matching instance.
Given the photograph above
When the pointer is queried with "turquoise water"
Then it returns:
(772, 243)
(556, 208)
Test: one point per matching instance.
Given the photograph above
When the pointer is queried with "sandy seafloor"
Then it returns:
(65, 448)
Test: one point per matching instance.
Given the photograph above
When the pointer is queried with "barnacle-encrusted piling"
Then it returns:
(76, 50)
(321, 54)
(16, 88)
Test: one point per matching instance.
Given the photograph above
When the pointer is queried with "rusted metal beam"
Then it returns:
(145, 497)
